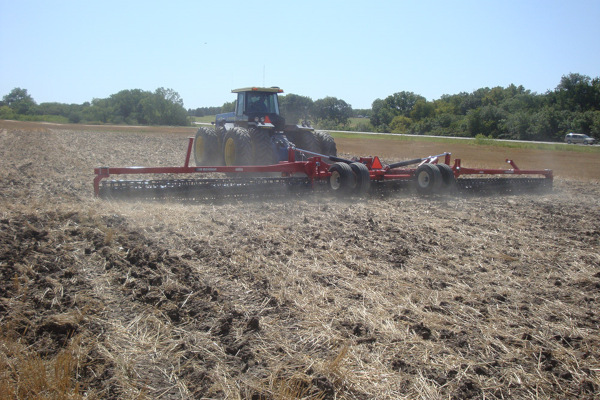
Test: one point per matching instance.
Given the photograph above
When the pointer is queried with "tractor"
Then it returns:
(256, 134)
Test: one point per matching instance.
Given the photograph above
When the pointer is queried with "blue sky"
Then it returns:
(358, 51)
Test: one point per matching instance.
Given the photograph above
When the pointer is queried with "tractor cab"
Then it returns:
(258, 106)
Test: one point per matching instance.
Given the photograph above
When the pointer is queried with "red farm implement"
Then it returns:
(427, 175)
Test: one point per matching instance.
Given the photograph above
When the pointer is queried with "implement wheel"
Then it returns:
(428, 179)
(206, 147)
(237, 149)
(363, 178)
(448, 179)
(342, 179)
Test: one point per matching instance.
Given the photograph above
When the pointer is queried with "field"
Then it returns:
(399, 297)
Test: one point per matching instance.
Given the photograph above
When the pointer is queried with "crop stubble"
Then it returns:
(395, 297)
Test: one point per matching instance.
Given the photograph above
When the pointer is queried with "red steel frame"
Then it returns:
(315, 168)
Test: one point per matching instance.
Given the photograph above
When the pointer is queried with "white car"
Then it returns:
(579, 138)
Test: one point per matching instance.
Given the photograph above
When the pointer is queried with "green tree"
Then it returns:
(332, 109)
(20, 101)
(295, 108)
(400, 124)
(577, 92)
(163, 107)
(422, 109)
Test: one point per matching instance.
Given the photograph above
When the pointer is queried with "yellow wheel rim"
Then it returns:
(229, 152)
(199, 149)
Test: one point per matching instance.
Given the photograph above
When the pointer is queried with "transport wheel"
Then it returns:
(237, 149)
(306, 141)
(262, 147)
(342, 179)
(428, 179)
(363, 178)
(206, 147)
(326, 143)
(448, 179)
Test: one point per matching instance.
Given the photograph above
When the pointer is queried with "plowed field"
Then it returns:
(452, 297)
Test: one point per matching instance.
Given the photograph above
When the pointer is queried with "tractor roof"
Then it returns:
(272, 89)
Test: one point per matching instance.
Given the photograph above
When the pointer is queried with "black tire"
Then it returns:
(448, 179)
(428, 179)
(237, 148)
(262, 147)
(206, 147)
(363, 178)
(306, 141)
(326, 143)
(342, 179)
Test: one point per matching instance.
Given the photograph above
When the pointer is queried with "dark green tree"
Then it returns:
(332, 109)
(20, 101)
(295, 108)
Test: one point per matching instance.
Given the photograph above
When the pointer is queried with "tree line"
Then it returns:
(132, 107)
(512, 112)
(505, 113)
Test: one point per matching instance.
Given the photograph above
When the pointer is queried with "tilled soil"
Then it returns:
(314, 297)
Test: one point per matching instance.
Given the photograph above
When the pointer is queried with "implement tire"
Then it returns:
(428, 179)
(326, 143)
(342, 179)
(448, 179)
(206, 147)
(363, 178)
(262, 147)
(237, 148)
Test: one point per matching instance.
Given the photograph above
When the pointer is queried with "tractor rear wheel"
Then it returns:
(326, 143)
(363, 178)
(306, 140)
(342, 179)
(206, 147)
(237, 149)
(262, 148)
(428, 179)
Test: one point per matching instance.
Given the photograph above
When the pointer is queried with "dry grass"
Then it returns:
(312, 298)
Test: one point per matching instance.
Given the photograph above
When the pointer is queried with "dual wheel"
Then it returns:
(236, 146)
(240, 146)
(433, 178)
(351, 178)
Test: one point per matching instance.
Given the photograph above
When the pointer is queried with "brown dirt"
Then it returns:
(401, 297)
